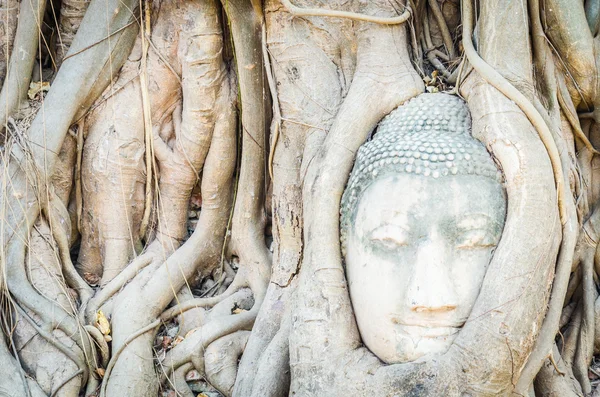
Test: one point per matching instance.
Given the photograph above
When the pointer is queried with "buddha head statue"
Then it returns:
(421, 216)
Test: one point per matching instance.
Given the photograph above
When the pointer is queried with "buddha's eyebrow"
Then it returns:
(393, 218)
(394, 211)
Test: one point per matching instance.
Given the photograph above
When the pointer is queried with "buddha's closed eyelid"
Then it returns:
(477, 231)
(390, 236)
(476, 238)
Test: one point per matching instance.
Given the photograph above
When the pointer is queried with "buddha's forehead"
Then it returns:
(405, 197)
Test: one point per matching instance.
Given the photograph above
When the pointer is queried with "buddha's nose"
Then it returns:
(430, 286)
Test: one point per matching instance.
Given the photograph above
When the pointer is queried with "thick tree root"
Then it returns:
(376, 89)
(550, 383)
(315, 12)
(201, 114)
(18, 72)
(14, 383)
(9, 11)
(150, 327)
(28, 191)
(71, 15)
(240, 281)
(565, 203)
(221, 360)
(179, 384)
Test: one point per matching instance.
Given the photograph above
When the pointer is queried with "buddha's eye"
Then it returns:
(389, 236)
(476, 238)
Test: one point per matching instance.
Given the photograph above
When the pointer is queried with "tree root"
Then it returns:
(273, 372)
(551, 358)
(249, 218)
(316, 12)
(569, 346)
(568, 109)
(52, 315)
(441, 21)
(248, 221)
(276, 122)
(556, 379)
(198, 144)
(180, 354)
(22, 60)
(193, 348)
(430, 50)
(496, 80)
(14, 382)
(113, 286)
(71, 15)
(315, 150)
(71, 275)
(238, 282)
(85, 366)
(78, 190)
(116, 355)
(58, 115)
(9, 15)
(179, 384)
(585, 345)
(100, 341)
(65, 381)
(374, 92)
(565, 204)
(221, 360)
(302, 119)
(147, 113)
(567, 30)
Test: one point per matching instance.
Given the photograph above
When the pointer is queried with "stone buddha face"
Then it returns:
(421, 216)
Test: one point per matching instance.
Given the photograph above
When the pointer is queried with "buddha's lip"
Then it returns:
(432, 321)
(428, 331)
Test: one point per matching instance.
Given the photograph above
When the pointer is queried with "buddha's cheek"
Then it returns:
(468, 271)
(377, 290)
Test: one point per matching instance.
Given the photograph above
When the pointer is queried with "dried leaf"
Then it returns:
(102, 323)
(100, 372)
(108, 338)
(73, 294)
(202, 395)
(196, 201)
(191, 332)
(36, 87)
(237, 311)
(192, 376)
(91, 278)
(177, 340)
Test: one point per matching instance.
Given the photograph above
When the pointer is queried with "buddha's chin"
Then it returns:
(415, 343)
